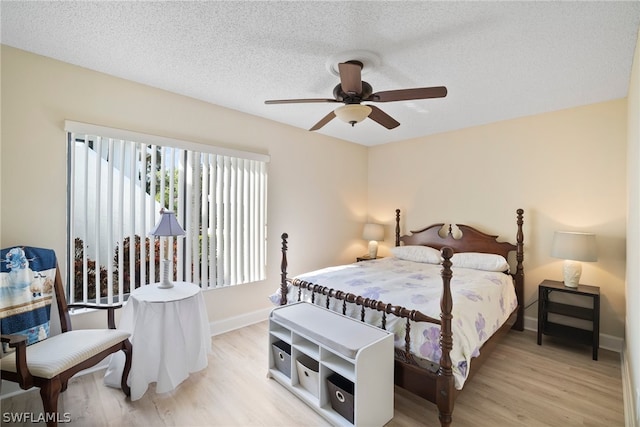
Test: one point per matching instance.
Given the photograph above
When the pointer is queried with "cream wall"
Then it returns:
(306, 201)
(566, 169)
(632, 335)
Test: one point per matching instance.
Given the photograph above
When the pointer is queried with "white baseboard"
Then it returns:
(630, 417)
(232, 323)
(608, 342)
(9, 389)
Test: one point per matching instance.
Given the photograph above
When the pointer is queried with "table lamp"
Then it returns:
(573, 247)
(167, 227)
(373, 233)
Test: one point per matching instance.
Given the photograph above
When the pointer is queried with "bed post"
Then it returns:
(519, 276)
(445, 383)
(397, 227)
(283, 270)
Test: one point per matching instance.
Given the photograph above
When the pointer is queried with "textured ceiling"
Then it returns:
(499, 60)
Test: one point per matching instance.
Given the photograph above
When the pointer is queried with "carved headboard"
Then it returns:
(470, 239)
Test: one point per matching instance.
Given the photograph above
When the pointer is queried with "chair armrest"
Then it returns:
(13, 340)
(111, 310)
(94, 305)
(19, 342)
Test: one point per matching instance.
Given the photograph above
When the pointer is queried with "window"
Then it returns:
(119, 181)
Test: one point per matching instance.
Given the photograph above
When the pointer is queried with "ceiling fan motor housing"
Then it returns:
(348, 98)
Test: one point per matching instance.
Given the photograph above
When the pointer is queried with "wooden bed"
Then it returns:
(435, 385)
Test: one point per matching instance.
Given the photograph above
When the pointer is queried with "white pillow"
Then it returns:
(416, 253)
(480, 261)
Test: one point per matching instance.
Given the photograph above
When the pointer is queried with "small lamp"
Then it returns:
(353, 113)
(373, 233)
(167, 226)
(574, 247)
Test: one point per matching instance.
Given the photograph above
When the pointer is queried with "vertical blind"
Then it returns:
(119, 181)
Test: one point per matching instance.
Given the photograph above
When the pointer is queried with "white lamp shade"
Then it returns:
(353, 113)
(373, 232)
(168, 225)
(574, 246)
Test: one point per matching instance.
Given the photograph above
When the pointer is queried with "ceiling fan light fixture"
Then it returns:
(353, 113)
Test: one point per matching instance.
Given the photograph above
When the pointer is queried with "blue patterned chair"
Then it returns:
(30, 283)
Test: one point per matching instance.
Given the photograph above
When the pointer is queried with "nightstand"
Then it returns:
(591, 314)
(366, 258)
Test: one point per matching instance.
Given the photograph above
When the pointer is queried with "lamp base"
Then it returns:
(165, 283)
(373, 249)
(571, 271)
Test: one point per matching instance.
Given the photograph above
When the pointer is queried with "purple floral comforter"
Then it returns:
(482, 302)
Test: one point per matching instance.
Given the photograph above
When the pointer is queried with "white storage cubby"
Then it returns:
(361, 353)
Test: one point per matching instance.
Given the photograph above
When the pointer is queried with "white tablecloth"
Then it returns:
(170, 337)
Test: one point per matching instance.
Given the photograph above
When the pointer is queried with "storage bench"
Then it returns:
(345, 352)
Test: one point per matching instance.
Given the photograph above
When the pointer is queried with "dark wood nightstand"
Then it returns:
(366, 258)
(592, 314)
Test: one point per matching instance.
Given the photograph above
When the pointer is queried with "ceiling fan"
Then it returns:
(352, 91)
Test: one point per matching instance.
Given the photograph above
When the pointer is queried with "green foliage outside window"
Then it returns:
(126, 268)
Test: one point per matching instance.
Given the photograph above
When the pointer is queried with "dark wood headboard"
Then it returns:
(471, 239)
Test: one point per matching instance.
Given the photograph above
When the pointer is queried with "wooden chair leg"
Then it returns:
(49, 393)
(128, 349)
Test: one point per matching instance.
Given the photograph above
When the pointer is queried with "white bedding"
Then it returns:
(482, 302)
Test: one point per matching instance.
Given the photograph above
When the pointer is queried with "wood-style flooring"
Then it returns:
(523, 384)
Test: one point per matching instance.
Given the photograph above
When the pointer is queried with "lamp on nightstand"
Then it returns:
(574, 247)
(168, 226)
(373, 233)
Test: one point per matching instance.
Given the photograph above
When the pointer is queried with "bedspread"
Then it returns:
(482, 302)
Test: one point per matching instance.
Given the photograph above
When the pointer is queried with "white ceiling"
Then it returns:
(499, 60)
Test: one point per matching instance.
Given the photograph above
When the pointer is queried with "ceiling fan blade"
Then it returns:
(326, 119)
(408, 94)
(351, 77)
(379, 116)
(298, 101)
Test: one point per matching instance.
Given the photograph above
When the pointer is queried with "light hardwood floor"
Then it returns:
(523, 384)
